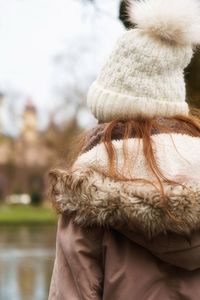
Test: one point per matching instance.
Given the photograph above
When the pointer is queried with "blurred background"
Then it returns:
(51, 51)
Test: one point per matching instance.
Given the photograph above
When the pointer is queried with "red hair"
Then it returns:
(142, 128)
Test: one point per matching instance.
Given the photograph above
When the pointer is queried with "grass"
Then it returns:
(22, 214)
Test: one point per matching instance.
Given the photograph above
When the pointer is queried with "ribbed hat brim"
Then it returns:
(107, 105)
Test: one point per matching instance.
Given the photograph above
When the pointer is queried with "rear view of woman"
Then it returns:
(129, 225)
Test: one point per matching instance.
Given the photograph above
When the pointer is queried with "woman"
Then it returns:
(129, 225)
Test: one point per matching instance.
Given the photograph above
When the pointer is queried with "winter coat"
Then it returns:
(115, 241)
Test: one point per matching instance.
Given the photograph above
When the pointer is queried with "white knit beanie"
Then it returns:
(145, 73)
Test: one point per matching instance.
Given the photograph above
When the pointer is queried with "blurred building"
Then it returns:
(25, 160)
(29, 130)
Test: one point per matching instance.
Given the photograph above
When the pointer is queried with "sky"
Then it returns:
(34, 32)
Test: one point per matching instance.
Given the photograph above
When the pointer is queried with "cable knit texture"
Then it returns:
(144, 75)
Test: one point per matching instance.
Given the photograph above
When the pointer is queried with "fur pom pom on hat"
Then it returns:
(172, 20)
(144, 74)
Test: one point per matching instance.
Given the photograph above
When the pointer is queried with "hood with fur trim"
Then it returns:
(91, 197)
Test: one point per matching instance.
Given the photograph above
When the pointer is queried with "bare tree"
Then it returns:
(77, 65)
(76, 72)
(12, 96)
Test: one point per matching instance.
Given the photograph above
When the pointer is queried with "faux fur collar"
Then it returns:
(92, 198)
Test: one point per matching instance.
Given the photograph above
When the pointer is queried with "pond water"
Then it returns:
(26, 261)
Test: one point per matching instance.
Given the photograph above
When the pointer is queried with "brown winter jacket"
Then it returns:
(114, 240)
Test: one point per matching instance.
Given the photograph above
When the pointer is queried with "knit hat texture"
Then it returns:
(144, 75)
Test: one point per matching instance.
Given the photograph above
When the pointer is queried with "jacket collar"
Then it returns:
(92, 198)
